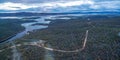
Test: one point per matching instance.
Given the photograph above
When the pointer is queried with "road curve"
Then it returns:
(41, 45)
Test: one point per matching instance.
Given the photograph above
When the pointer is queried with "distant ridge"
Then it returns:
(39, 14)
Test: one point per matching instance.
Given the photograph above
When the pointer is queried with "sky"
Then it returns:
(48, 6)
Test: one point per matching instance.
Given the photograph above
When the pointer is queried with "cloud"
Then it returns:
(63, 5)
(15, 6)
(68, 4)
(50, 5)
(106, 5)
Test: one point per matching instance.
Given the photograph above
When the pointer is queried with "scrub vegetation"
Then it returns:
(68, 34)
(102, 43)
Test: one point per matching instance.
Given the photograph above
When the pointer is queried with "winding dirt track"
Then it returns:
(16, 54)
(41, 45)
(77, 50)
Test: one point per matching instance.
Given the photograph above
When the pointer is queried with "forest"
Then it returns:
(69, 34)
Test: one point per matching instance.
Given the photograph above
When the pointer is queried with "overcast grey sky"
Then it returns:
(59, 5)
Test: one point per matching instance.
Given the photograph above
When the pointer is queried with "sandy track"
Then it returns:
(77, 50)
(41, 45)
(57, 50)
(16, 54)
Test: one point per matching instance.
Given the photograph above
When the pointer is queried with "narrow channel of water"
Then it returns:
(29, 27)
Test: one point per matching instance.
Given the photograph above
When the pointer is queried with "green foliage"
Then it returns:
(102, 44)
(10, 27)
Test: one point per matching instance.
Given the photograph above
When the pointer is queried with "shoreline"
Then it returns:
(7, 39)
(24, 31)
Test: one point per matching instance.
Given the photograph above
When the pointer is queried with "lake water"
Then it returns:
(29, 27)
